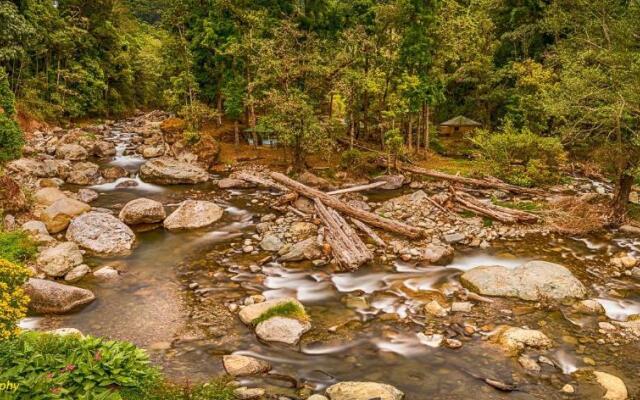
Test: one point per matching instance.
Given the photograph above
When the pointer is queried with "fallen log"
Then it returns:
(245, 176)
(499, 213)
(471, 181)
(347, 247)
(370, 232)
(358, 188)
(362, 215)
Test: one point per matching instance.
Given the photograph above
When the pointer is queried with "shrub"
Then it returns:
(359, 162)
(521, 158)
(17, 246)
(47, 366)
(11, 139)
(13, 300)
(191, 138)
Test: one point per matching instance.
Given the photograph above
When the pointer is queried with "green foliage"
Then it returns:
(361, 163)
(521, 157)
(191, 137)
(13, 301)
(11, 139)
(48, 366)
(17, 247)
(289, 310)
(214, 390)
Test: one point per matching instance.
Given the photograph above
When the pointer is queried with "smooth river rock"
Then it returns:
(239, 365)
(49, 297)
(72, 152)
(57, 216)
(535, 280)
(169, 171)
(102, 234)
(84, 173)
(142, 211)
(282, 330)
(48, 195)
(192, 214)
(614, 386)
(56, 261)
(514, 339)
(363, 391)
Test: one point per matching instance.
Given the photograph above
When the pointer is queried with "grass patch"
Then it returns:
(216, 389)
(287, 310)
(17, 247)
(528, 206)
(633, 211)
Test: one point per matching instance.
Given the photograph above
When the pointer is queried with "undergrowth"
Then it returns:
(17, 247)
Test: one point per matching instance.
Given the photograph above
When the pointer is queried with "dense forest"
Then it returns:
(312, 72)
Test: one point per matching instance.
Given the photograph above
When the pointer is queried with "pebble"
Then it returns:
(568, 389)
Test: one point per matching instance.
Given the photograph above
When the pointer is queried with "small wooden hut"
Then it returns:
(458, 126)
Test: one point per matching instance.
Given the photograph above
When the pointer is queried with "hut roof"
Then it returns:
(461, 120)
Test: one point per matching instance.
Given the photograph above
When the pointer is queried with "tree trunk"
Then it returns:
(352, 133)
(427, 129)
(410, 133)
(236, 132)
(219, 107)
(621, 199)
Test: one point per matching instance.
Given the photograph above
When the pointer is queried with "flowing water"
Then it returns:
(367, 325)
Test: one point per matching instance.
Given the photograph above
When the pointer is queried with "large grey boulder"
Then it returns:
(84, 173)
(56, 261)
(535, 280)
(363, 391)
(239, 365)
(193, 214)
(72, 152)
(169, 171)
(102, 234)
(48, 297)
(282, 330)
(142, 211)
(392, 181)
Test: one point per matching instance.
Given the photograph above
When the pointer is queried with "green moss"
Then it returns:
(529, 206)
(17, 247)
(288, 310)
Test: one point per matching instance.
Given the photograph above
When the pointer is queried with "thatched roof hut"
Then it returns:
(458, 125)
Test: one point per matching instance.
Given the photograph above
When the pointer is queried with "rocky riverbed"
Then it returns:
(140, 241)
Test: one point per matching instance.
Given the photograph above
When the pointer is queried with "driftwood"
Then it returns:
(246, 176)
(370, 232)
(347, 247)
(470, 181)
(362, 215)
(359, 188)
(499, 213)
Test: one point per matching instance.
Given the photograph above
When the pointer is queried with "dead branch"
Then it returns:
(370, 232)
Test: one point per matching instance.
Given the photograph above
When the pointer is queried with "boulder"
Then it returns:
(392, 181)
(437, 254)
(57, 216)
(28, 166)
(305, 205)
(614, 386)
(102, 149)
(48, 195)
(87, 195)
(238, 365)
(113, 173)
(168, 171)
(72, 152)
(142, 211)
(589, 307)
(152, 151)
(245, 393)
(77, 273)
(84, 173)
(56, 261)
(363, 391)
(102, 234)
(307, 249)
(251, 312)
(271, 243)
(514, 339)
(106, 273)
(48, 297)
(57, 168)
(310, 179)
(192, 214)
(282, 330)
(12, 198)
(35, 227)
(535, 280)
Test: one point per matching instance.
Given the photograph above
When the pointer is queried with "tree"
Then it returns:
(11, 137)
(596, 98)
